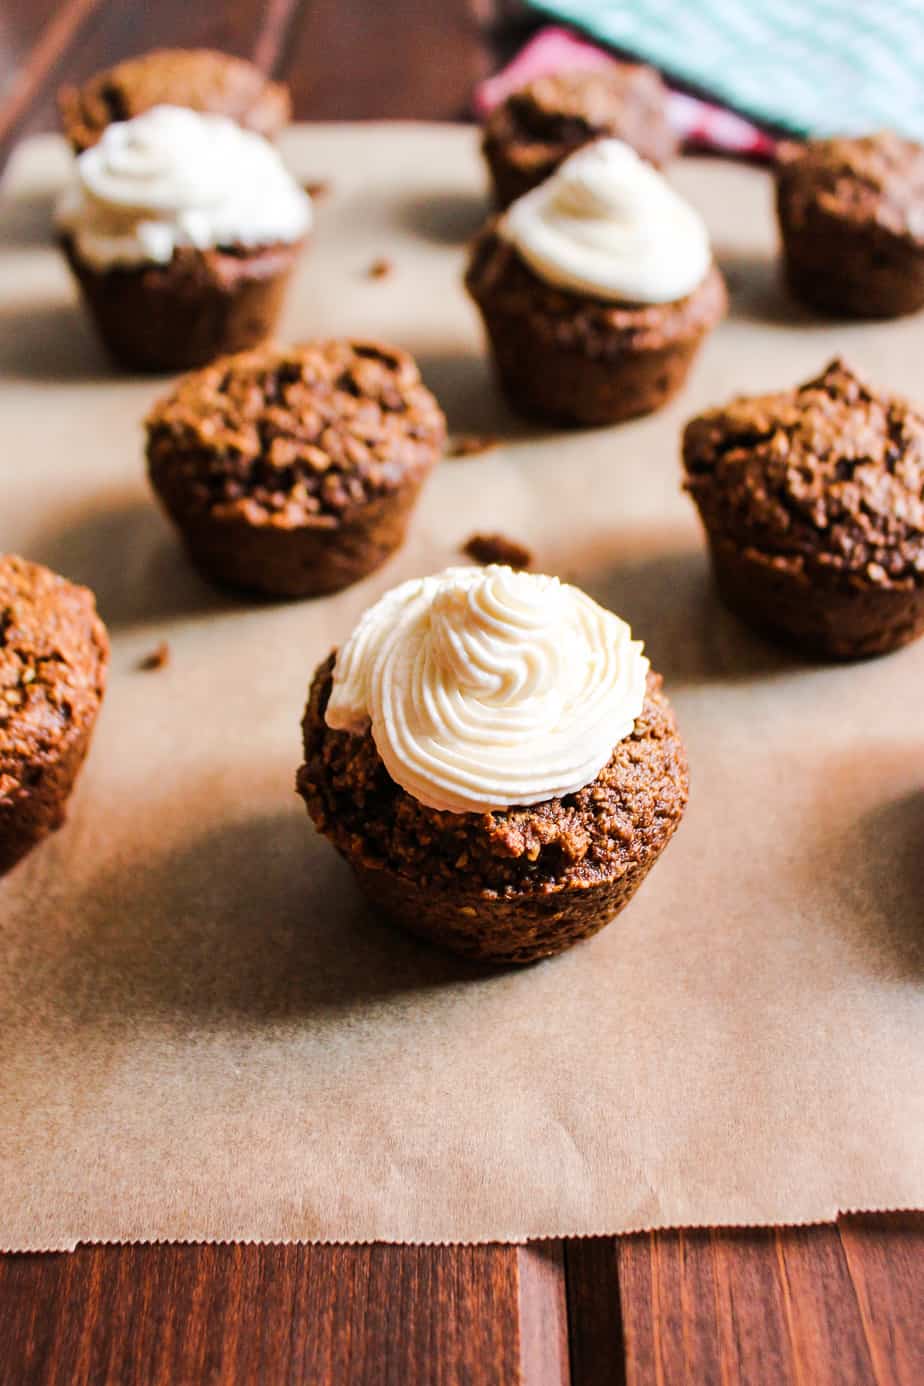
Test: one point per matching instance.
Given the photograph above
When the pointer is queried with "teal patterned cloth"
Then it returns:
(812, 67)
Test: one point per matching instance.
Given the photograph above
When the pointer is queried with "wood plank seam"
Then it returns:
(56, 38)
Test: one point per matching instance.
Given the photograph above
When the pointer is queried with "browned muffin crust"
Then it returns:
(201, 304)
(296, 434)
(608, 832)
(198, 78)
(295, 468)
(53, 657)
(528, 135)
(822, 489)
(572, 358)
(831, 473)
(499, 277)
(852, 219)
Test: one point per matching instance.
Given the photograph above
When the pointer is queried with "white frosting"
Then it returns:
(174, 177)
(606, 224)
(486, 687)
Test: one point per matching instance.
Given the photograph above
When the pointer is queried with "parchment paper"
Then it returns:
(204, 1033)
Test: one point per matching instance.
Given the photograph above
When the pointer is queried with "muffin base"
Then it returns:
(856, 620)
(559, 385)
(40, 808)
(851, 271)
(201, 305)
(275, 560)
(523, 930)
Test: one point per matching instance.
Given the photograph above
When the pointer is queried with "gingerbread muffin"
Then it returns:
(851, 214)
(813, 505)
(537, 127)
(198, 78)
(492, 755)
(53, 658)
(596, 289)
(293, 471)
(182, 230)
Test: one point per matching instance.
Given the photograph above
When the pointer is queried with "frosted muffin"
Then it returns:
(198, 78)
(492, 754)
(182, 230)
(53, 657)
(596, 289)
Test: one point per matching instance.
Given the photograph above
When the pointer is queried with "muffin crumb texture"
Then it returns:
(851, 215)
(53, 655)
(529, 134)
(829, 476)
(295, 436)
(870, 180)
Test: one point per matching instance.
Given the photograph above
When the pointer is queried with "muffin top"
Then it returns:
(549, 117)
(297, 435)
(53, 652)
(875, 181)
(599, 833)
(198, 78)
(830, 474)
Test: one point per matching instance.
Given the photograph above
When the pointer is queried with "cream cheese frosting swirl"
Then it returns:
(173, 177)
(608, 225)
(485, 687)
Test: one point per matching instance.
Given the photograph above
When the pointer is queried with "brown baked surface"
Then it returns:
(613, 827)
(53, 657)
(499, 280)
(199, 78)
(295, 436)
(872, 181)
(528, 135)
(829, 475)
(200, 305)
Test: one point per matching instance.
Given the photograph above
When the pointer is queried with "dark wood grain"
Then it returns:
(358, 59)
(163, 1315)
(543, 1309)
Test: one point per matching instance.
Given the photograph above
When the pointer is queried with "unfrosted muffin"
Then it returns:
(293, 471)
(813, 505)
(851, 215)
(182, 230)
(538, 126)
(492, 755)
(53, 658)
(596, 290)
(198, 78)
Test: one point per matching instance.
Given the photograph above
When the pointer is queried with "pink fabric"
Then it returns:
(700, 124)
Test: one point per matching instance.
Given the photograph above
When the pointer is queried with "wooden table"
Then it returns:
(812, 1306)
